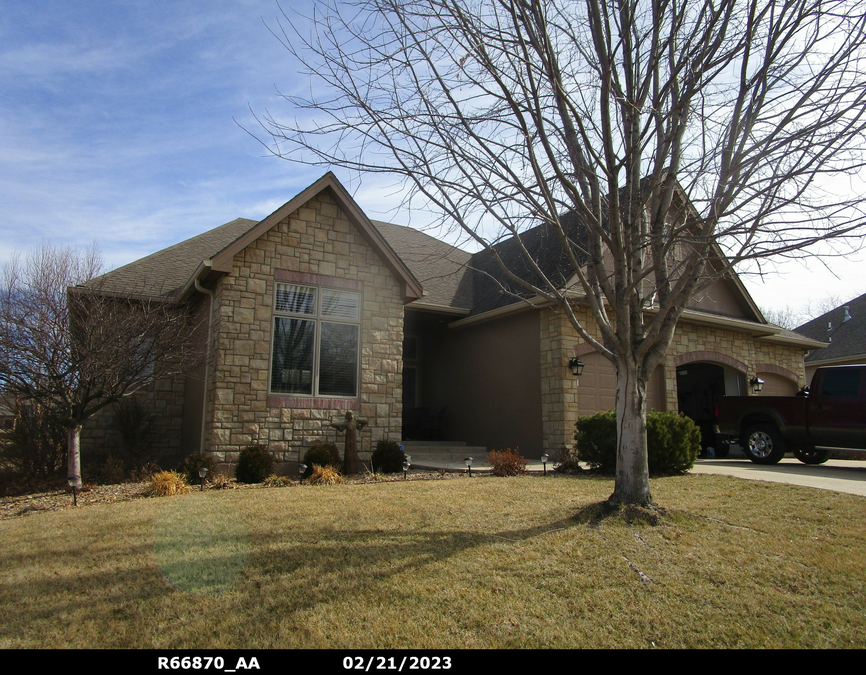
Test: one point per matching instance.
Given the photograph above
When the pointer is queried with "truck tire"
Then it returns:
(763, 444)
(812, 455)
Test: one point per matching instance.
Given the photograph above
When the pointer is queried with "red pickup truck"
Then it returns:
(830, 414)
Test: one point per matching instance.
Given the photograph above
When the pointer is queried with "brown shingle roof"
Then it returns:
(164, 273)
(441, 268)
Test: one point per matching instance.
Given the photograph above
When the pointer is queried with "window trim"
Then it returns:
(320, 283)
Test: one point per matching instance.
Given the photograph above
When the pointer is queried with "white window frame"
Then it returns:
(318, 318)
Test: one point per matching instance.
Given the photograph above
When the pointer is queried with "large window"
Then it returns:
(316, 341)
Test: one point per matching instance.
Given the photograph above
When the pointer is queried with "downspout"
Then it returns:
(210, 294)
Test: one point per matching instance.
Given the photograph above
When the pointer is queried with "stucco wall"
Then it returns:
(319, 241)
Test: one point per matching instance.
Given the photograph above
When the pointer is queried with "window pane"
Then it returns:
(341, 304)
(338, 361)
(292, 367)
(296, 299)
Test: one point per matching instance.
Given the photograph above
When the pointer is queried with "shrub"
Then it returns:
(567, 460)
(387, 457)
(221, 482)
(277, 481)
(506, 462)
(167, 484)
(324, 475)
(254, 464)
(190, 466)
(323, 454)
(673, 442)
(595, 437)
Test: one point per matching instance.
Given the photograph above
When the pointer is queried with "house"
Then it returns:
(844, 328)
(317, 310)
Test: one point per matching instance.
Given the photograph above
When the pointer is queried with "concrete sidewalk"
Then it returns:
(836, 475)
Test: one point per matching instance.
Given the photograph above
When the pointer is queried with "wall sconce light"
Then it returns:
(576, 366)
(202, 472)
(468, 462)
(757, 384)
(544, 459)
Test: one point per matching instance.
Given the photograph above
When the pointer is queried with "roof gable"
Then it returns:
(223, 260)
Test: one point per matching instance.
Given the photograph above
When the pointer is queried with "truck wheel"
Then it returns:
(812, 456)
(764, 444)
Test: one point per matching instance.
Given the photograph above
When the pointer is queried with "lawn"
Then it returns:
(463, 563)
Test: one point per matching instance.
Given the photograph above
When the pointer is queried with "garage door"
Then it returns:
(777, 385)
(596, 390)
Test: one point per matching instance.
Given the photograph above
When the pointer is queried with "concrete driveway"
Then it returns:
(836, 475)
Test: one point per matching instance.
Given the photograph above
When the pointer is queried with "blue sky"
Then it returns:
(122, 122)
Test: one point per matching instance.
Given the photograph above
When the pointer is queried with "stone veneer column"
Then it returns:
(558, 386)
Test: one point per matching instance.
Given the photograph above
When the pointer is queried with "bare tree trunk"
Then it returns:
(632, 475)
(73, 440)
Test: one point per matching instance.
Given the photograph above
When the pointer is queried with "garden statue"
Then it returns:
(350, 456)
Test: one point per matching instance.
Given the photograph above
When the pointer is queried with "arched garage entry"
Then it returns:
(702, 379)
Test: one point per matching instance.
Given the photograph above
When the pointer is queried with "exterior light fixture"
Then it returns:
(202, 472)
(405, 468)
(576, 366)
(544, 459)
(757, 384)
(302, 469)
(74, 483)
(468, 462)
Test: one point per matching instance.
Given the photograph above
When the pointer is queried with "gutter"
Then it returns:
(210, 294)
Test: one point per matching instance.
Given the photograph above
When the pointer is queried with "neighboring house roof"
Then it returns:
(847, 338)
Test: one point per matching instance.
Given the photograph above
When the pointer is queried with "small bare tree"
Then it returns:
(73, 349)
(684, 136)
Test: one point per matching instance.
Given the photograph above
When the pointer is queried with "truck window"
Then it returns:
(841, 383)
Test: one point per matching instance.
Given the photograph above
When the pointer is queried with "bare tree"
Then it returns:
(685, 136)
(73, 349)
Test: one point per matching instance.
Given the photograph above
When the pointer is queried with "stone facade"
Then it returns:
(317, 244)
(163, 403)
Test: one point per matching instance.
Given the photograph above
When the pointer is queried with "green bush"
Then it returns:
(673, 442)
(255, 464)
(387, 457)
(322, 454)
(190, 466)
(595, 437)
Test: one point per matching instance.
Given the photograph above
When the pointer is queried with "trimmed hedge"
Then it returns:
(255, 464)
(673, 442)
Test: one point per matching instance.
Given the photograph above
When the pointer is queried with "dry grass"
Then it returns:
(324, 475)
(476, 563)
(167, 484)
